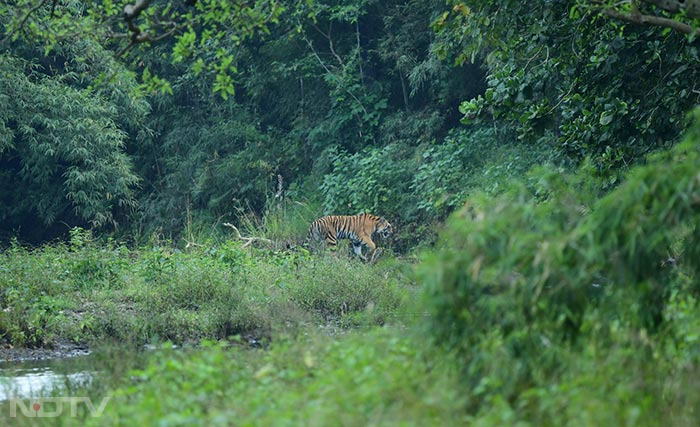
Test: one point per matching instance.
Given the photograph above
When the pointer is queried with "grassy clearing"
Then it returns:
(360, 374)
(85, 291)
(336, 346)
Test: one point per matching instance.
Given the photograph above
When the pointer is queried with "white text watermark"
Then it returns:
(37, 406)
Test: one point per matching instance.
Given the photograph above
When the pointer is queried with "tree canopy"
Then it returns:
(205, 31)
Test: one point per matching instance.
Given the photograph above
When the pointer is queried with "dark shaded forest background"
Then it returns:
(402, 108)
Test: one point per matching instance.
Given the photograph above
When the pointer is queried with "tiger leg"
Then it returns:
(357, 248)
(367, 241)
(332, 244)
(376, 254)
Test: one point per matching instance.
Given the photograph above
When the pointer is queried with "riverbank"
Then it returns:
(59, 351)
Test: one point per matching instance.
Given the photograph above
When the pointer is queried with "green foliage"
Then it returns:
(64, 154)
(469, 161)
(212, 165)
(342, 298)
(375, 180)
(285, 221)
(353, 77)
(208, 26)
(360, 97)
(556, 296)
(414, 186)
(550, 270)
(32, 304)
(594, 86)
(354, 380)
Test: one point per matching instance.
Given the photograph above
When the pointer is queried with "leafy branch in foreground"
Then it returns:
(204, 30)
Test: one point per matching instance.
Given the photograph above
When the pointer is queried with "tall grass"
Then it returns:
(87, 290)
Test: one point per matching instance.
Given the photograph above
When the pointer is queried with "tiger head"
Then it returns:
(384, 228)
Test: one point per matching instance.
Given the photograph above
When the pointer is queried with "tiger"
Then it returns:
(357, 228)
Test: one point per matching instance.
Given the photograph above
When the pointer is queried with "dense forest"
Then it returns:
(400, 108)
(160, 164)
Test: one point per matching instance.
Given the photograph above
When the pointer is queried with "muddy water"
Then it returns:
(40, 378)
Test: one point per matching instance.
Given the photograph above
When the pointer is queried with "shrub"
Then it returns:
(374, 180)
(416, 186)
(523, 282)
(345, 291)
(468, 161)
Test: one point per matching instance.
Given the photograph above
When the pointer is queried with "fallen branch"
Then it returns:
(248, 240)
(193, 245)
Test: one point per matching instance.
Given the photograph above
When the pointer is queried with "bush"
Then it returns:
(469, 161)
(537, 286)
(374, 180)
(346, 292)
(62, 154)
(416, 186)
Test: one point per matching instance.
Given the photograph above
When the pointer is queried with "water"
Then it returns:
(41, 378)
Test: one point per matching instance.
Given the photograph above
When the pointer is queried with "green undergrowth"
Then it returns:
(571, 307)
(375, 377)
(85, 291)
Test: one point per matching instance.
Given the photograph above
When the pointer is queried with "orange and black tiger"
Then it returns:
(357, 228)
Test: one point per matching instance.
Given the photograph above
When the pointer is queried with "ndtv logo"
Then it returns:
(37, 409)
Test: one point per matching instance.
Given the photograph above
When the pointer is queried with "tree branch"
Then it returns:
(691, 7)
(327, 36)
(247, 240)
(325, 67)
(658, 21)
(132, 11)
(24, 20)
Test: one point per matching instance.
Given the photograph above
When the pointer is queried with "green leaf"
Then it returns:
(606, 117)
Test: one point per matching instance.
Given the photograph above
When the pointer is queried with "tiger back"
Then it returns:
(356, 228)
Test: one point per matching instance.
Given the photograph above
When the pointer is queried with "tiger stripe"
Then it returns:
(356, 228)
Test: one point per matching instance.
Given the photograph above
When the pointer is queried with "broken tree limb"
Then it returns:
(631, 11)
(248, 240)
